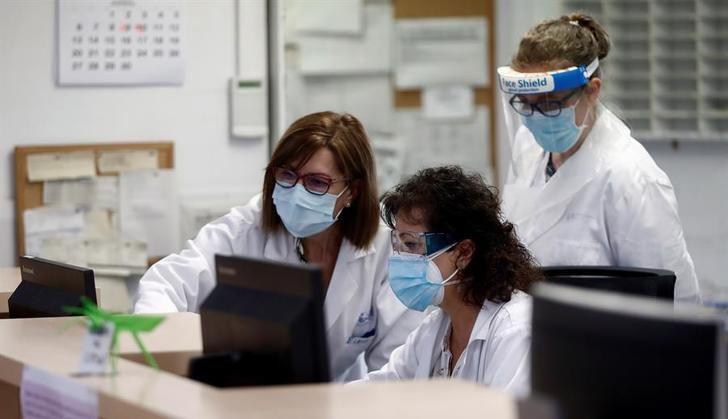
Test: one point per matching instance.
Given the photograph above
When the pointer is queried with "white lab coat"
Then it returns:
(364, 319)
(608, 204)
(497, 354)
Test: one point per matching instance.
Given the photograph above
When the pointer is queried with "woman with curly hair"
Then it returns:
(453, 250)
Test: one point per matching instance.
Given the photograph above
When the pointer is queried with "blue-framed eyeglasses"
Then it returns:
(420, 243)
(550, 107)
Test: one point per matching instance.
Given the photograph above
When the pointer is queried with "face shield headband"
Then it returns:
(517, 83)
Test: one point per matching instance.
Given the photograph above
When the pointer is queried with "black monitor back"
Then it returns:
(263, 324)
(655, 283)
(602, 355)
(47, 286)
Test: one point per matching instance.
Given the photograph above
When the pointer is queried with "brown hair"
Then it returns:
(571, 40)
(345, 137)
(464, 207)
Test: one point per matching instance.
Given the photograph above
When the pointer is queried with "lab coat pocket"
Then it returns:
(365, 329)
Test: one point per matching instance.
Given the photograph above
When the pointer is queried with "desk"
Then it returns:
(9, 280)
(140, 392)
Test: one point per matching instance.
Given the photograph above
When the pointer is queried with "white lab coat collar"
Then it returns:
(481, 328)
(482, 331)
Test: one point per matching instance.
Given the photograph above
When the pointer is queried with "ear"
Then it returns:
(464, 253)
(593, 89)
(354, 188)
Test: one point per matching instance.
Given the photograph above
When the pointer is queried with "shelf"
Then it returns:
(665, 114)
(667, 73)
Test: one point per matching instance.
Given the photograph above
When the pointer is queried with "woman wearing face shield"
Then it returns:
(581, 190)
(453, 250)
(318, 205)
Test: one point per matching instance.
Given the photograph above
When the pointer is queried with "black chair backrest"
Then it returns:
(655, 283)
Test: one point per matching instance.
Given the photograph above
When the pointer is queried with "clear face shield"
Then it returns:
(540, 111)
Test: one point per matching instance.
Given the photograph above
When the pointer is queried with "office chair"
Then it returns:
(654, 283)
(603, 355)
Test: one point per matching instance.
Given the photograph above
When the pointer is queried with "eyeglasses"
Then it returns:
(315, 183)
(419, 243)
(550, 108)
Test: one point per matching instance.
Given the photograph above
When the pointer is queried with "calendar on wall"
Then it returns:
(119, 42)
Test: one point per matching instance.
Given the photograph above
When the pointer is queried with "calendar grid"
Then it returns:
(120, 42)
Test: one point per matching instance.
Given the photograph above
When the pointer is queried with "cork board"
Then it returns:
(30, 194)
(484, 96)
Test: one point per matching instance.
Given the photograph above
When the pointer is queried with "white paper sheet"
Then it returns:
(97, 192)
(441, 51)
(448, 102)
(49, 166)
(71, 250)
(45, 395)
(389, 156)
(116, 253)
(326, 16)
(121, 161)
(434, 143)
(44, 223)
(367, 53)
(368, 97)
(149, 209)
(97, 225)
(95, 352)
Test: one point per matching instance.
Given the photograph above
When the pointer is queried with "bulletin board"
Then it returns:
(484, 96)
(30, 194)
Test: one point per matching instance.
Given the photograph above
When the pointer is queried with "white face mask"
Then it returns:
(435, 276)
(416, 280)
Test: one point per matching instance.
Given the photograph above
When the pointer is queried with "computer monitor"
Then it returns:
(46, 287)
(263, 324)
(605, 355)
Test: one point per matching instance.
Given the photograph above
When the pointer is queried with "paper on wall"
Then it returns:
(96, 192)
(389, 157)
(429, 143)
(149, 210)
(116, 253)
(71, 250)
(46, 395)
(326, 16)
(106, 193)
(44, 223)
(120, 161)
(448, 102)
(97, 224)
(441, 51)
(49, 166)
(366, 53)
(367, 97)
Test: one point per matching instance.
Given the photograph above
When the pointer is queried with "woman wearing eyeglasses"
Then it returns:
(581, 190)
(453, 250)
(318, 205)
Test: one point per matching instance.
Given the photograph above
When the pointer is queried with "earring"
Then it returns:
(348, 204)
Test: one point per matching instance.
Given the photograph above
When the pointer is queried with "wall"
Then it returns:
(33, 110)
(698, 171)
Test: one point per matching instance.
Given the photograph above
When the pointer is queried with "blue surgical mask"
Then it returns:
(555, 134)
(416, 280)
(303, 213)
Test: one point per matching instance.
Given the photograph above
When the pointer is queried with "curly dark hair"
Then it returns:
(465, 207)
